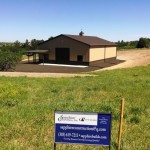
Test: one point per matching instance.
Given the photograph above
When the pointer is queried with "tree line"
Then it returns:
(26, 45)
(141, 43)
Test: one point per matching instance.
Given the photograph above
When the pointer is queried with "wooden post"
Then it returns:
(43, 59)
(120, 126)
(35, 57)
(28, 57)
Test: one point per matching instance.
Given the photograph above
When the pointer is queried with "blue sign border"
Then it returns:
(108, 143)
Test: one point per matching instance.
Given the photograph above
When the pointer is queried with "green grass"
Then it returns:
(125, 49)
(27, 107)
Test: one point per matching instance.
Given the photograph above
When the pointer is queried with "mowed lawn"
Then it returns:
(27, 107)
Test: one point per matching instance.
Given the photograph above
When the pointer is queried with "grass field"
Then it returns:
(27, 107)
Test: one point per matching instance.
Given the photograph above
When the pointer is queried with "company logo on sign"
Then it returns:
(82, 119)
(71, 118)
(66, 118)
(87, 119)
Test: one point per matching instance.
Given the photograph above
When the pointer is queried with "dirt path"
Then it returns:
(132, 58)
(42, 75)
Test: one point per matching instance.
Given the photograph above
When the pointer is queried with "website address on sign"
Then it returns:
(67, 127)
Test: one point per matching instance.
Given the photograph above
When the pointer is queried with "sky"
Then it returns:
(40, 19)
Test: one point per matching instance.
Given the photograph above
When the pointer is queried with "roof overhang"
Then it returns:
(38, 51)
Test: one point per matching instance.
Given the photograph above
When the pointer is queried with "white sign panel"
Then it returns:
(76, 118)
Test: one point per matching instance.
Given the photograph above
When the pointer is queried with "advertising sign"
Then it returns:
(82, 128)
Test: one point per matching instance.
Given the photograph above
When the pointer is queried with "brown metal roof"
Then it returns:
(91, 40)
(88, 40)
(38, 51)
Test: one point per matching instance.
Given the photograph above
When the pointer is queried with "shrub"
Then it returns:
(8, 60)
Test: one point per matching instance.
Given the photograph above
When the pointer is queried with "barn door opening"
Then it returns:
(62, 55)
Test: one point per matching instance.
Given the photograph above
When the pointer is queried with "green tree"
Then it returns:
(143, 43)
(17, 44)
(8, 59)
(26, 44)
(34, 43)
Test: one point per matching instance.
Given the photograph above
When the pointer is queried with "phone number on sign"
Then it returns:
(76, 135)
(68, 134)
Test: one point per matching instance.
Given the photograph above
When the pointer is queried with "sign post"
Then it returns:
(120, 126)
(83, 128)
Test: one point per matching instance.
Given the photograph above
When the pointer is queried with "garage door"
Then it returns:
(62, 55)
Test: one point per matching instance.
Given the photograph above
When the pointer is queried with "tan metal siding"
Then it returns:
(96, 54)
(102, 53)
(110, 52)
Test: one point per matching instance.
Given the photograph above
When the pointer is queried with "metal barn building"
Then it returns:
(76, 49)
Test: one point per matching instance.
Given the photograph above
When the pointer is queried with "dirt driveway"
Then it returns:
(42, 75)
(132, 58)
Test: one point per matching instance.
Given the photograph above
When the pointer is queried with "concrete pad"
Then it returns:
(63, 65)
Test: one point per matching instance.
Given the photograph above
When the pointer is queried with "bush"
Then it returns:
(143, 43)
(8, 60)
